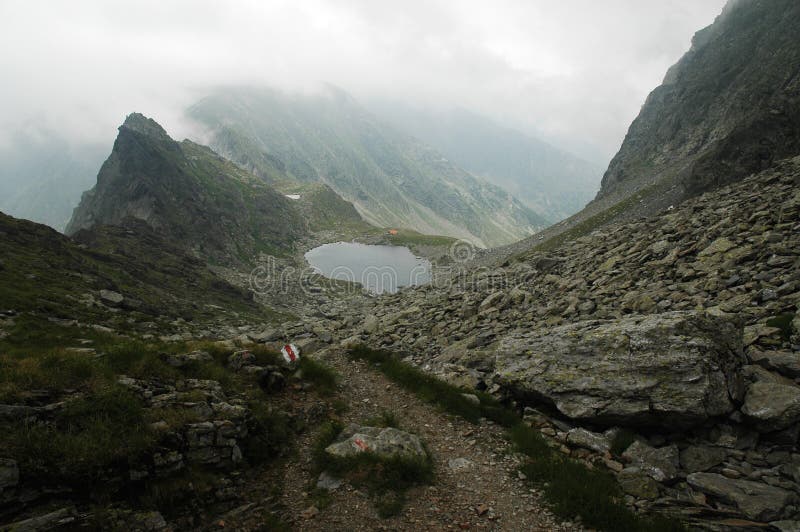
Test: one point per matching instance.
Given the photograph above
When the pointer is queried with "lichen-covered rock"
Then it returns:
(386, 442)
(638, 483)
(784, 362)
(698, 458)
(676, 368)
(756, 500)
(772, 406)
(659, 463)
(588, 440)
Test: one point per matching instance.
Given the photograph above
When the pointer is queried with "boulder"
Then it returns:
(677, 368)
(784, 362)
(636, 482)
(772, 406)
(111, 298)
(699, 458)
(756, 500)
(184, 359)
(579, 437)
(387, 442)
(660, 463)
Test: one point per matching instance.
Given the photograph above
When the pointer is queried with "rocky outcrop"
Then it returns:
(674, 369)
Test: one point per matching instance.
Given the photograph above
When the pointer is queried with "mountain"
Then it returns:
(42, 176)
(730, 107)
(392, 178)
(188, 194)
(550, 181)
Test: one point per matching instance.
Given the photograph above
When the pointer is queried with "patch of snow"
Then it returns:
(293, 196)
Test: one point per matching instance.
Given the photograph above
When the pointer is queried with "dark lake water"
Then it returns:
(378, 268)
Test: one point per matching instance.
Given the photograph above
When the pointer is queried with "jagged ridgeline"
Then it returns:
(393, 179)
(190, 195)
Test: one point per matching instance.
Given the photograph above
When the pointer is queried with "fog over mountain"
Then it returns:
(572, 73)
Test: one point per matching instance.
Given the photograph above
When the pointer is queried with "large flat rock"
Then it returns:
(676, 368)
(756, 500)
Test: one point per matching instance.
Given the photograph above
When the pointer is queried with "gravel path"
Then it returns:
(484, 493)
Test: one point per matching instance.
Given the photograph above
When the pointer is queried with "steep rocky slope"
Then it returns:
(682, 327)
(393, 179)
(730, 107)
(188, 194)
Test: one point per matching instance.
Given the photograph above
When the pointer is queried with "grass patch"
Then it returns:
(269, 432)
(571, 489)
(103, 429)
(384, 419)
(386, 479)
(320, 375)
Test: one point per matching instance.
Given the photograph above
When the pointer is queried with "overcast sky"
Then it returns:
(575, 72)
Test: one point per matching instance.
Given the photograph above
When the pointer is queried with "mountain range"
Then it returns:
(393, 179)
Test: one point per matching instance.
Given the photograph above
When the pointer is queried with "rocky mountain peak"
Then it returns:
(146, 126)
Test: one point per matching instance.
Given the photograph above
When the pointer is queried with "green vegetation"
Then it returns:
(105, 427)
(386, 479)
(784, 323)
(570, 488)
(321, 376)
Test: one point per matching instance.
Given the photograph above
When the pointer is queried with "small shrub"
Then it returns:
(269, 432)
(321, 376)
(384, 419)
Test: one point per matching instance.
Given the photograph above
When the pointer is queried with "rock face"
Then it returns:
(675, 368)
(727, 109)
(189, 194)
(386, 442)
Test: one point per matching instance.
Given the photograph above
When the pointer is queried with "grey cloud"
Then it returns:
(574, 72)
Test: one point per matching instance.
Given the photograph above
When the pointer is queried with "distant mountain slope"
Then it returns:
(42, 176)
(188, 194)
(730, 107)
(548, 180)
(392, 178)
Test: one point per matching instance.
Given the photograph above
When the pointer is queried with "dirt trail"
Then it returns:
(483, 494)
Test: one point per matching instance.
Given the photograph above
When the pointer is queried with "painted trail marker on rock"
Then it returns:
(290, 353)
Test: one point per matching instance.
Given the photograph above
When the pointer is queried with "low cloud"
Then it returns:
(573, 72)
